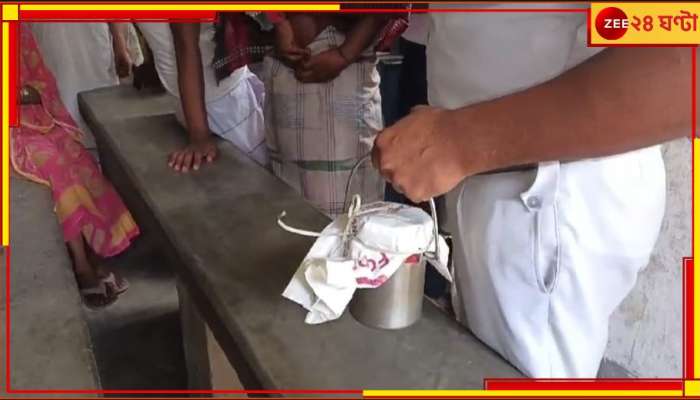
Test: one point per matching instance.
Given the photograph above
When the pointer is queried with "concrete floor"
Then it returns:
(137, 340)
(49, 338)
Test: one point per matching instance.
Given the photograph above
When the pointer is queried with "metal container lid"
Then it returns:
(395, 228)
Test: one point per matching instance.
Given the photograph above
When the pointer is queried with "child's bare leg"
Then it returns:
(119, 285)
(86, 274)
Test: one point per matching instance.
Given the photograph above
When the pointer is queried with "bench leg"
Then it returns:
(194, 339)
(207, 365)
(223, 376)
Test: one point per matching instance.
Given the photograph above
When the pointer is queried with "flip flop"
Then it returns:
(116, 287)
(99, 290)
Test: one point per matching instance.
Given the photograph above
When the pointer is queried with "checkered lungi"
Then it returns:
(316, 133)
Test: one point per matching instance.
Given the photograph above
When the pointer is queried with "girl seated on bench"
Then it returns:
(46, 148)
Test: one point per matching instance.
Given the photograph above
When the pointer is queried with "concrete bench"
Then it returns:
(217, 228)
(49, 338)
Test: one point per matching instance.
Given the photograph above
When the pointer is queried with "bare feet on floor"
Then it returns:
(98, 287)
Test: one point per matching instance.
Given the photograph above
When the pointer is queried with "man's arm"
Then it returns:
(620, 100)
(361, 35)
(122, 59)
(190, 78)
(328, 64)
(286, 46)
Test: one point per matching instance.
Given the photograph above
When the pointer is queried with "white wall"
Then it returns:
(646, 331)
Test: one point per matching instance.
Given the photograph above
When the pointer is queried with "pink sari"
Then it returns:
(46, 148)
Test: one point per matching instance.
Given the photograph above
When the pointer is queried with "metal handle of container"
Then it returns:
(431, 201)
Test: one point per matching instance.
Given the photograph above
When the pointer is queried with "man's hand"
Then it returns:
(194, 155)
(418, 156)
(122, 63)
(322, 67)
(571, 117)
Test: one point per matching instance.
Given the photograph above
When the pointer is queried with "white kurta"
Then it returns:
(81, 57)
(234, 105)
(542, 257)
(417, 31)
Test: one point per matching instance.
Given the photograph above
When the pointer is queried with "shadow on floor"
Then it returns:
(138, 341)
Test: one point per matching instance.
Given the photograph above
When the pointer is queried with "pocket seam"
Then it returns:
(557, 239)
(536, 247)
(536, 244)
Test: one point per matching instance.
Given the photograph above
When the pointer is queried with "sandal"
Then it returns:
(100, 291)
(117, 286)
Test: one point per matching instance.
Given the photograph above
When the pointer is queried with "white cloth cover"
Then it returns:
(362, 249)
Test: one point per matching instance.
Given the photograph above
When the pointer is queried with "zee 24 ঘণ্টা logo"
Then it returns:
(612, 23)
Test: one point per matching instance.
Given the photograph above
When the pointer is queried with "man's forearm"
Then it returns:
(620, 100)
(190, 78)
(363, 32)
(118, 31)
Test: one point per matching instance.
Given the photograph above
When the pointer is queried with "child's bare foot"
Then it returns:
(95, 293)
(115, 281)
(95, 285)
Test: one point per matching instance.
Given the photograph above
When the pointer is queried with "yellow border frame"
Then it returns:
(10, 12)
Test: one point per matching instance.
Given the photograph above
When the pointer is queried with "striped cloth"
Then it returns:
(315, 133)
(245, 38)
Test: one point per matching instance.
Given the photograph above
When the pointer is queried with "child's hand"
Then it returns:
(194, 155)
(322, 67)
(286, 47)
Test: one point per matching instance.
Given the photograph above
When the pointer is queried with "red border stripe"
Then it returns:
(7, 319)
(1, 163)
(583, 384)
(13, 71)
(82, 15)
(694, 95)
(184, 391)
(688, 317)
(202, 3)
(90, 15)
(461, 10)
(493, 384)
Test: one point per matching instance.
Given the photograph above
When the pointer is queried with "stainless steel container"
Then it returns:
(397, 303)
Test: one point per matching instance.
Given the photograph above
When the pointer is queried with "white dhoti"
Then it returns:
(237, 116)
